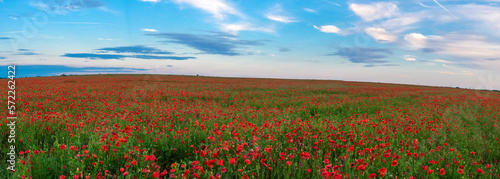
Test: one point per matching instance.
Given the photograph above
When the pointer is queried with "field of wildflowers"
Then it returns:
(159, 126)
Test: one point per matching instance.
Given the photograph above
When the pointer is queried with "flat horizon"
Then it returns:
(431, 42)
(241, 77)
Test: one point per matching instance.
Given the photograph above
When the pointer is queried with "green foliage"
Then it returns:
(108, 122)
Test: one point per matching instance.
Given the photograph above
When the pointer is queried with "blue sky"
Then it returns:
(428, 42)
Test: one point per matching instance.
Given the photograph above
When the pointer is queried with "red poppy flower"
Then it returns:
(164, 173)
(361, 167)
(382, 172)
(424, 167)
(245, 177)
(195, 162)
(430, 171)
(442, 172)
(156, 175)
(232, 161)
(394, 163)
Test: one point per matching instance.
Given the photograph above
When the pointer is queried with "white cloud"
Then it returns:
(92, 23)
(149, 30)
(280, 18)
(465, 73)
(310, 10)
(446, 72)
(374, 11)
(236, 27)
(330, 2)
(486, 16)
(473, 17)
(221, 9)
(276, 14)
(444, 8)
(423, 5)
(468, 46)
(218, 8)
(445, 65)
(328, 29)
(401, 23)
(63, 7)
(410, 58)
(381, 35)
(464, 45)
(442, 61)
(470, 50)
(416, 40)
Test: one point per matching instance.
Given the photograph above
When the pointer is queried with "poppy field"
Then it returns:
(162, 126)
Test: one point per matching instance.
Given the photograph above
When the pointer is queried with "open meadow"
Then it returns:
(161, 126)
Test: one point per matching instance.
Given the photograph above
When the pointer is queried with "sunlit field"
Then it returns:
(158, 126)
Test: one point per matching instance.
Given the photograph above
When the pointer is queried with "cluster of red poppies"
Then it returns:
(157, 126)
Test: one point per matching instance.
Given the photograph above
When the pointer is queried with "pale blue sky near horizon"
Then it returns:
(428, 42)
